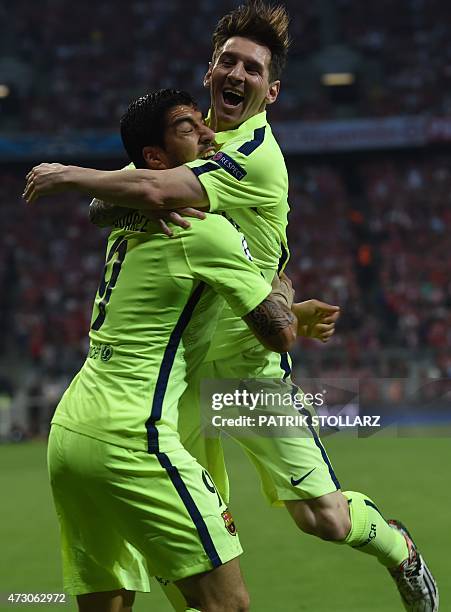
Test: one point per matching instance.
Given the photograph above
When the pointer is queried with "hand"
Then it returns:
(282, 289)
(177, 218)
(316, 319)
(45, 179)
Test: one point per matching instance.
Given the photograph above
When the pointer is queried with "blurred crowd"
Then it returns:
(376, 241)
(77, 65)
(369, 234)
(373, 237)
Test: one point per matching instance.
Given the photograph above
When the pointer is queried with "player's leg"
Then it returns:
(369, 533)
(95, 557)
(350, 518)
(221, 590)
(110, 601)
(207, 450)
(127, 514)
(167, 506)
(326, 517)
(296, 470)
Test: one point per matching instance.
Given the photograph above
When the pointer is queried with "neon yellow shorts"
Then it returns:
(126, 515)
(290, 468)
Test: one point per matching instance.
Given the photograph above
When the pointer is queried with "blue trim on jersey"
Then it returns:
(283, 259)
(249, 147)
(320, 446)
(191, 507)
(166, 367)
(285, 365)
(207, 167)
(231, 221)
(228, 164)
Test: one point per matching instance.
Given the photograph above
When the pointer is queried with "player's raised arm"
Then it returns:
(140, 189)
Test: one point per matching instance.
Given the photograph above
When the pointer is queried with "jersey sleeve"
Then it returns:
(217, 254)
(242, 175)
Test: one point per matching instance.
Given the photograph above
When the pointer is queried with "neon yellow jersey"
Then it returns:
(153, 317)
(247, 181)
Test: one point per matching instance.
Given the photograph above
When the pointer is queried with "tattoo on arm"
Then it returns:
(269, 318)
(282, 289)
(103, 214)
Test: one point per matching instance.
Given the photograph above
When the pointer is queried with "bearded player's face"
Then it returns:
(239, 82)
(186, 136)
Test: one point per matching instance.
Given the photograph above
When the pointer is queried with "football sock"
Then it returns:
(371, 534)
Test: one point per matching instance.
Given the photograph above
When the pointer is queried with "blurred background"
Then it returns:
(364, 120)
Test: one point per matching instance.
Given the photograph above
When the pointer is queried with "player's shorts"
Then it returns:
(290, 468)
(126, 515)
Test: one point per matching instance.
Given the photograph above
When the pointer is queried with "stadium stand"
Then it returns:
(380, 253)
(79, 71)
(368, 231)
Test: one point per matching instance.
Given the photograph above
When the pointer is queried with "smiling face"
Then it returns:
(186, 138)
(239, 82)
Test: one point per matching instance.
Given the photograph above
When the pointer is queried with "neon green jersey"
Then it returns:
(247, 181)
(153, 318)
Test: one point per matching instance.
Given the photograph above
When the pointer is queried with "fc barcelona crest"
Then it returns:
(229, 522)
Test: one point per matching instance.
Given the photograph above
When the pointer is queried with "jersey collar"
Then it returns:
(248, 126)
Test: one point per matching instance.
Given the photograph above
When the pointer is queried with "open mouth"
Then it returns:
(232, 98)
(208, 153)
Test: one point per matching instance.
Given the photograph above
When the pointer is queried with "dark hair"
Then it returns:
(264, 24)
(144, 123)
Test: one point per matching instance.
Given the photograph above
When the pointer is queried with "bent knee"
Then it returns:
(332, 527)
(331, 524)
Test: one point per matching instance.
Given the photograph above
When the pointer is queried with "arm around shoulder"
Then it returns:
(103, 214)
(140, 189)
(143, 189)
